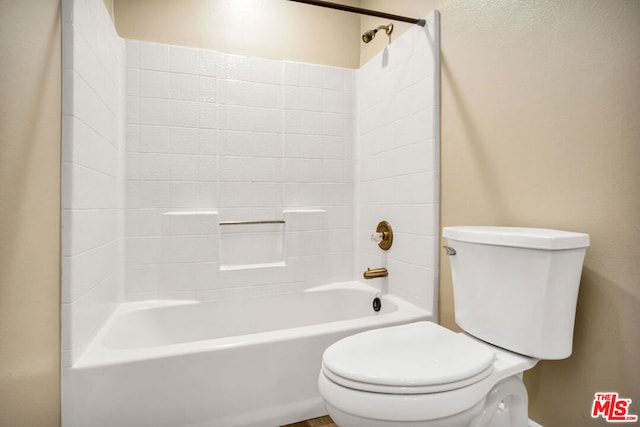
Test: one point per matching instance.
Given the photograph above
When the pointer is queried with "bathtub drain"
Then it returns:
(377, 304)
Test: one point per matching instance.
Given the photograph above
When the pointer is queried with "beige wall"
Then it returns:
(275, 29)
(110, 6)
(30, 74)
(541, 127)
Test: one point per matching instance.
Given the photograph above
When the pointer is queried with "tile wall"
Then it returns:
(162, 144)
(239, 138)
(93, 174)
(398, 163)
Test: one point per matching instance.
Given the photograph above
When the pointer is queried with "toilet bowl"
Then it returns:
(515, 293)
(422, 374)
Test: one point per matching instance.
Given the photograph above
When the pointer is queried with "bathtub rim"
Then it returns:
(98, 355)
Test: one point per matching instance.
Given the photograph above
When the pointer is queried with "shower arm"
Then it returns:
(362, 11)
(387, 28)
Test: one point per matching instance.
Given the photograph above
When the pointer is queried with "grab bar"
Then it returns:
(275, 221)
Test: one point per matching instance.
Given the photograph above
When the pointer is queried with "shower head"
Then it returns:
(369, 35)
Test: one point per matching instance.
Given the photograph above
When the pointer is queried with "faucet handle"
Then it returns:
(383, 236)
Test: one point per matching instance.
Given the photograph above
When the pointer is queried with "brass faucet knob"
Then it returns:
(385, 234)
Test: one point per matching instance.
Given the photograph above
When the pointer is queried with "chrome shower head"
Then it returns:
(369, 35)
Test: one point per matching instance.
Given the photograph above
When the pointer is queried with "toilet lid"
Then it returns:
(420, 357)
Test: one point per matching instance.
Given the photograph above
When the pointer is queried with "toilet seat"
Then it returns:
(416, 358)
(427, 389)
(350, 389)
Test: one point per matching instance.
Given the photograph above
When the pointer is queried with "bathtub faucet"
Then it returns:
(376, 272)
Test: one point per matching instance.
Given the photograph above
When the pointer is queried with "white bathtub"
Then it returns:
(251, 362)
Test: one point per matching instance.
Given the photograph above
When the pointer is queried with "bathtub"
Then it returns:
(250, 362)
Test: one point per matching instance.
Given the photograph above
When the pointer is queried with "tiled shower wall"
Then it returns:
(398, 162)
(213, 137)
(231, 138)
(92, 173)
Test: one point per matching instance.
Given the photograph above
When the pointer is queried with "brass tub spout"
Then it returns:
(376, 272)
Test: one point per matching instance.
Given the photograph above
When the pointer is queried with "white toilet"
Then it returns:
(515, 292)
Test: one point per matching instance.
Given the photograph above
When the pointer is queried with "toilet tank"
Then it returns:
(517, 288)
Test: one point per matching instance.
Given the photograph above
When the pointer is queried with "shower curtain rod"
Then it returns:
(360, 10)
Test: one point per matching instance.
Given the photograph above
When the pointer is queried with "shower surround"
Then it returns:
(166, 148)
(233, 138)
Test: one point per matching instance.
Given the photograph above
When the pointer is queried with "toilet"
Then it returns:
(515, 293)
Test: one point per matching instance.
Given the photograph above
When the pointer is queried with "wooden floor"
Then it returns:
(316, 422)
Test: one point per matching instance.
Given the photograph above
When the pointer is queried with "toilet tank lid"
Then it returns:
(522, 237)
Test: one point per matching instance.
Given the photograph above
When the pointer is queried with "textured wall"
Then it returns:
(540, 106)
(30, 78)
